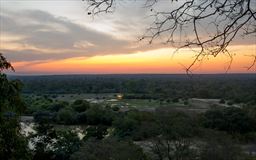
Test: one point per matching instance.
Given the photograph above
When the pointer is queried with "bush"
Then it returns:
(220, 147)
(57, 106)
(80, 105)
(231, 120)
(109, 149)
(99, 115)
(97, 132)
(66, 116)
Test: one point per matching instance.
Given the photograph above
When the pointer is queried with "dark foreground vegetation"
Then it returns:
(173, 130)
(217, 134)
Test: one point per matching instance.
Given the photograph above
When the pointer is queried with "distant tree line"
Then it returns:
(239, 88)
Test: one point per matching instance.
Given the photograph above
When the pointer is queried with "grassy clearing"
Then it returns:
(197, 105)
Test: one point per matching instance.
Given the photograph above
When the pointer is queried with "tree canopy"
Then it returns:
(12, 144)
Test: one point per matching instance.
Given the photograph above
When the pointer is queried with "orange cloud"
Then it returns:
(154, 61)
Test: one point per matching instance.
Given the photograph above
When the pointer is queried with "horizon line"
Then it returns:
(98, 74)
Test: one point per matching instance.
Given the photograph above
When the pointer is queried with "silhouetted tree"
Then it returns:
(175, 141)
(12, 144)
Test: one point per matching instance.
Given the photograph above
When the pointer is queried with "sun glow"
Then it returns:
(154, 61)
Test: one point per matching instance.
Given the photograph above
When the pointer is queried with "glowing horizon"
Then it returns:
(43, 38)
(159, 61)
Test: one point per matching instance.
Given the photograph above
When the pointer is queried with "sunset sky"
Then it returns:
(58, 37)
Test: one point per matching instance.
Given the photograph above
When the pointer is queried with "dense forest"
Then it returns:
(240, 88)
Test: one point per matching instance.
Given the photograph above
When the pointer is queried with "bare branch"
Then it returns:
(253, 62)
(98, 6)
(182, 26)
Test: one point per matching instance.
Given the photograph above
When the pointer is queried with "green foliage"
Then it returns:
(42, 140)
(176, 132)
(125, 127)
(236, 87)
(40, 103)
(136, 125)
(109, 149)
(80, 105)
(97, 132)
(175, 125)
(99, 115)
(181, 149)
(4, 64)
(231, 120)
(54, 145)
(58, 106)
(12, 144)
(220, 147)
(10, 98)
(67, 142)
(146, 130)
(66, 116)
